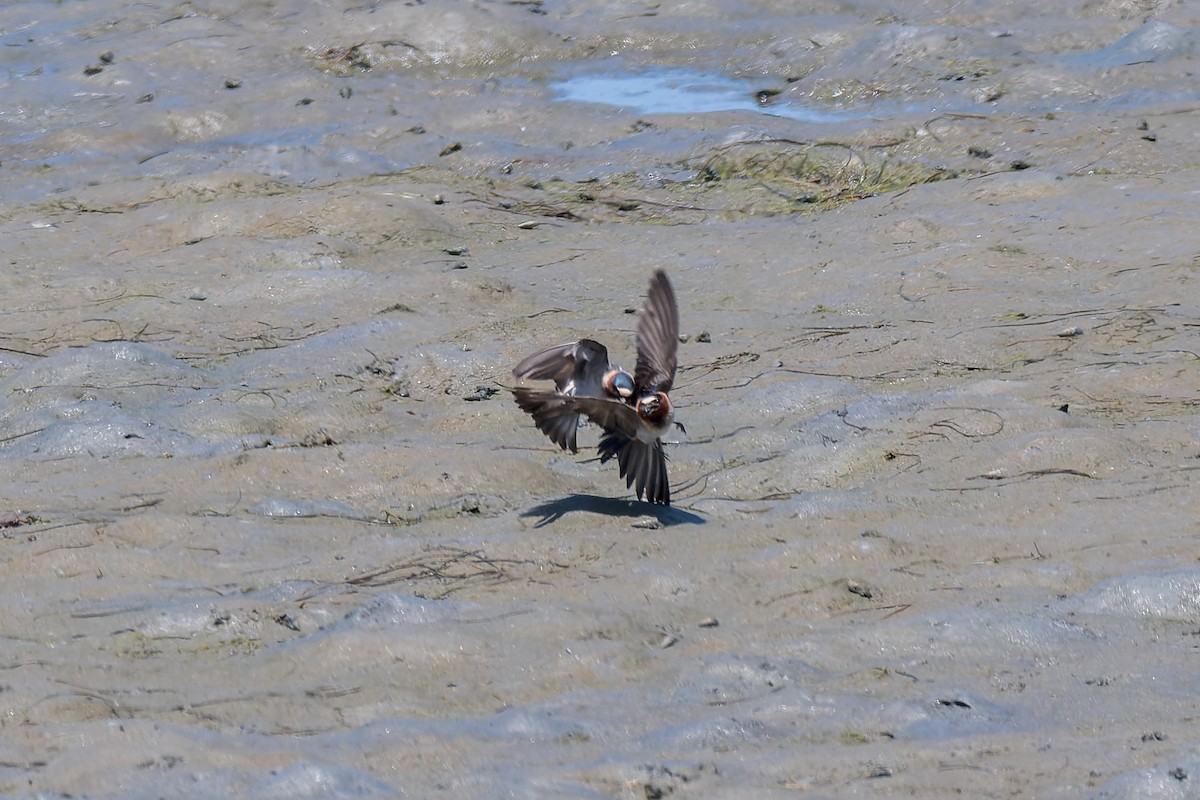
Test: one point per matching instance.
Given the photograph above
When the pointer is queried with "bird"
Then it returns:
(578, 369)
(634, 410)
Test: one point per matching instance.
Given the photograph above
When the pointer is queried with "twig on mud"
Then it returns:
(443, 565)
(954, 426)
(559, 261)
(1085, 312)
(21, 352)
(1034, 473)
(555, 310)
(1005, 480)
(894, 609)
(793, 371)
(21, 435)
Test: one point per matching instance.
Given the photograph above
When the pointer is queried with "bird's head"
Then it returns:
(654, 408)
(618, 383)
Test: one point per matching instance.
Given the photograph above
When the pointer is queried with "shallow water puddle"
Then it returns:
(672, 90)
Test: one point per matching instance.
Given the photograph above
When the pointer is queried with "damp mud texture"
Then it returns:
(271, 525)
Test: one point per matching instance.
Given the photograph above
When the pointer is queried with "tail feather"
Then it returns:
(643, 466)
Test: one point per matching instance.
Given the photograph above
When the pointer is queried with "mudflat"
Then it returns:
(273, 527)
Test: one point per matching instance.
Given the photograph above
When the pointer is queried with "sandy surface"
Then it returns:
(272, 526)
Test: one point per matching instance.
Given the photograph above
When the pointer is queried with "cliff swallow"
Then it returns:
(578, 369)
(634, 410)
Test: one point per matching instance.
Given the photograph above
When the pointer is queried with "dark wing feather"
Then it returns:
(552, 413)
(657, 337)
(609, 414)
(585, 360)
(643, 466)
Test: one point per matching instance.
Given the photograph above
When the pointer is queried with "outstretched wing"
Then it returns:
(657, 337)
(609, 414)
(552, 413)
(571, 366)
(643, 466)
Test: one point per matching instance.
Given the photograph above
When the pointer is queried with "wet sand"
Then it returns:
(273, 527)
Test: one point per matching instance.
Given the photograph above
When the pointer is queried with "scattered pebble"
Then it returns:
(765, 96)
(481, 393)
(1066, 332)
(860, 589)
(708, 622)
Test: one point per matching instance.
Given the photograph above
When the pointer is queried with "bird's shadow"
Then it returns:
(611, 507)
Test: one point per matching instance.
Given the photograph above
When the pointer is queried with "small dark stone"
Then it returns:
(107, 57)
(146, 98)
(304, 101)
(93, 69)
(1179, 774)
(454, 147)
(233, 83)
(765, 96)
(860, 589)
(288, 621)
(481, 393)
(954, 703)
(345, 92)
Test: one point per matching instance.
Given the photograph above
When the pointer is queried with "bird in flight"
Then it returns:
(634, 411)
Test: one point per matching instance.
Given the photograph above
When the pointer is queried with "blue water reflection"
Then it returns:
(672, 90)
